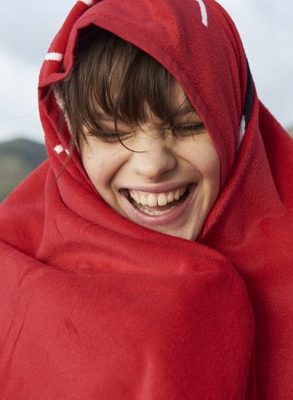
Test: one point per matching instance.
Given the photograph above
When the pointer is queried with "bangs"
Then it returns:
(112, 79)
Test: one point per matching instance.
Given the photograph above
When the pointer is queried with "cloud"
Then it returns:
(27, 27)
(26, 31)
(266, 30)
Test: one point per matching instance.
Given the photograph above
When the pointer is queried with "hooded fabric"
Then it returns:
(93, 306)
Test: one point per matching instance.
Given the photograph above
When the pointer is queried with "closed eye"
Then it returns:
(112, 137)
(186, 130)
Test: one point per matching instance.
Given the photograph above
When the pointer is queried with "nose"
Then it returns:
(155, 161)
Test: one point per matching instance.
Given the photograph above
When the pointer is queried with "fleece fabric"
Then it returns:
(93, 306)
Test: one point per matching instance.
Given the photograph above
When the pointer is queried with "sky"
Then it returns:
(265, 26)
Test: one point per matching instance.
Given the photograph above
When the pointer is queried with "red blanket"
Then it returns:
(93, 306)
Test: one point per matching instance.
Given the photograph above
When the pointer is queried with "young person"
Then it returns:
(150, 257)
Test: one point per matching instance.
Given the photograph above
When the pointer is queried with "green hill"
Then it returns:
(17, 159)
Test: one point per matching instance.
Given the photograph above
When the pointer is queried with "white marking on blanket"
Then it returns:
(87, 2)
(59, 149)
(61, 105)
(54, 57)
(204, 13)
(59, 100)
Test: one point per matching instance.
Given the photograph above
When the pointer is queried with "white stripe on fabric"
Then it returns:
(61, 105)
(87, 2)
(204, 13)
(54, 57)
(242, 129)
(59, 149)
(59, 101)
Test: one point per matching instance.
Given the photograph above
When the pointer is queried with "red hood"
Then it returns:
(97, 306)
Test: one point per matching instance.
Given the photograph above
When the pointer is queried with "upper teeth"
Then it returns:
(156, 199)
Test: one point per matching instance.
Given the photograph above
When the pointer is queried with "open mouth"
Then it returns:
(155, 205)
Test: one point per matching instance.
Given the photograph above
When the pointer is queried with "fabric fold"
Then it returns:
(94, 306)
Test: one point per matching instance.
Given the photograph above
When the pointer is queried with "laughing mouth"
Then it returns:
(156, 204)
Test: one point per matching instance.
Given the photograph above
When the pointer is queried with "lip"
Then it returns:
(169, 217)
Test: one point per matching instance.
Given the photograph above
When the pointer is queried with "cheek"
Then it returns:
(93, 166)
(93, 170)
(101, 165)
(206, 161)
(211, 170)
(94, 163)
(211, 167)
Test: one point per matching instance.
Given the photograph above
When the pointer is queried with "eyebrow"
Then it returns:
(186, 109)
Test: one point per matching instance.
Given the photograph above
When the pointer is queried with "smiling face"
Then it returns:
(141, 143)
(170, 181)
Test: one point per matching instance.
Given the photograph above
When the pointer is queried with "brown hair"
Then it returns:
(113, 78)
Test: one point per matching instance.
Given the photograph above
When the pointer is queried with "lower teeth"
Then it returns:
(152, 212)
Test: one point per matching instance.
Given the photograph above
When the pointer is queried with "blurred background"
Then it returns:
(27, 28)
